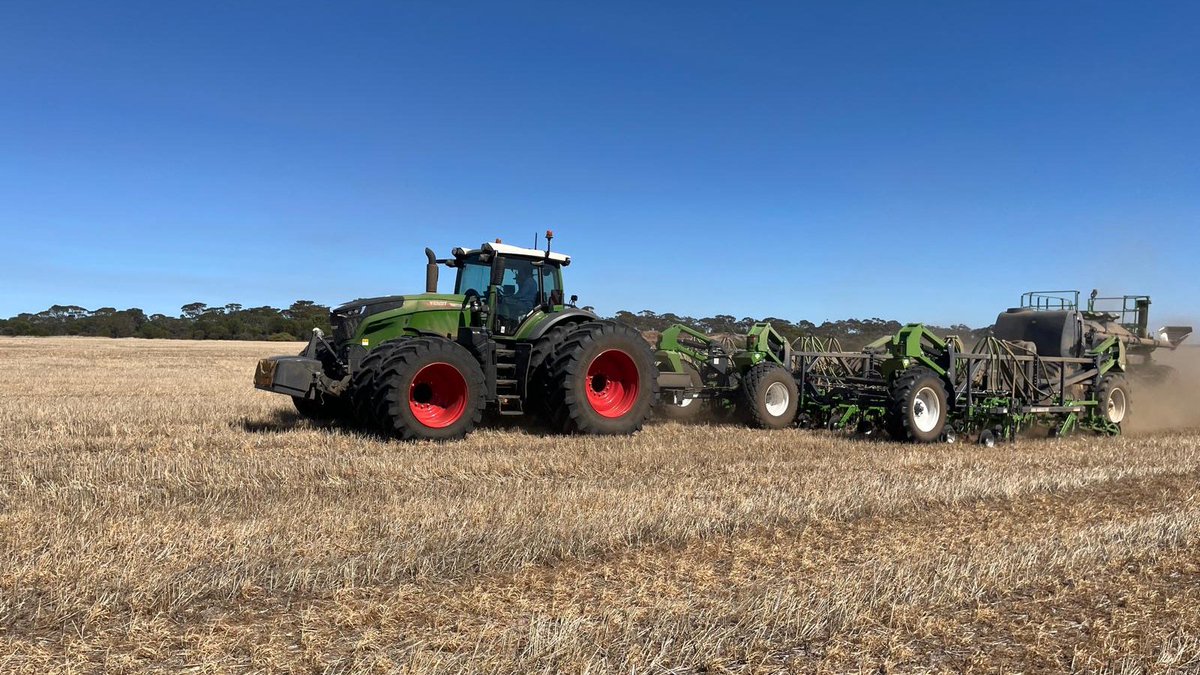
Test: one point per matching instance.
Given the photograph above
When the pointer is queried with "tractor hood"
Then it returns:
(386, 317)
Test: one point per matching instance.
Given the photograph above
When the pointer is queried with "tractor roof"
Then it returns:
(514, 252)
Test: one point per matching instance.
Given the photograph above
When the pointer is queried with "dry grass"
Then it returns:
(158, 513)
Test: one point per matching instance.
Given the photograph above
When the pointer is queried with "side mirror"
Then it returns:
(497, 271)
(574, 299)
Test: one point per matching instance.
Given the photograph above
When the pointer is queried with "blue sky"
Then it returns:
(919, 161)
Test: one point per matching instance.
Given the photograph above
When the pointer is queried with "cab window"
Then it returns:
(473, 275)
(551, 276)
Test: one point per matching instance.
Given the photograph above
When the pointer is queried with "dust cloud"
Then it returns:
(1173, 403)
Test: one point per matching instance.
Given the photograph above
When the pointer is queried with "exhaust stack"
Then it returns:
(431, 272)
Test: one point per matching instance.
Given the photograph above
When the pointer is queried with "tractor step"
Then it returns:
(508, 363)
(510, 404)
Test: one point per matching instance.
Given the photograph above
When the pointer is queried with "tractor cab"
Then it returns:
(512, 283)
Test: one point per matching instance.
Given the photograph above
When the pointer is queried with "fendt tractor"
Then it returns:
(505, 342)
(1049, 363)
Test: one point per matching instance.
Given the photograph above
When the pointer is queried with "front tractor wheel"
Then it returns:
(364, 383)
(770, 396)
(430, 389)
(919, 407)
(603, 380)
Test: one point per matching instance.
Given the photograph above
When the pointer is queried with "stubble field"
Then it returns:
(158, 513)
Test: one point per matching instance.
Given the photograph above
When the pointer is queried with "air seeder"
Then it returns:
(505, 342)
(1047, 364)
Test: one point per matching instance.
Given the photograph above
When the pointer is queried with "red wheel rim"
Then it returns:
(612, 383)
(438, 395)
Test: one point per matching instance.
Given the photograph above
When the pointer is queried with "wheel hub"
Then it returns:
(612, 383)
(1116, 406)
(437, 396)
(776, 399)
(926, 410)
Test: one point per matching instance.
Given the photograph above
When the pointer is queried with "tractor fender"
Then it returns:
(570, 315)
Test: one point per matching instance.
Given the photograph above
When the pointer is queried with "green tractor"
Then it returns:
(505, 342)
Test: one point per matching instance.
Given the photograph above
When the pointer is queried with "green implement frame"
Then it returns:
(717, 365)
(999, 387)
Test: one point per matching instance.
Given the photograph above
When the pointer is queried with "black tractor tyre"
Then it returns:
(770, 396)
(1113, 400)
(363, 390)
(538, 398)
(430, 389)
(691, 409)
(602, 380)
(918, 408)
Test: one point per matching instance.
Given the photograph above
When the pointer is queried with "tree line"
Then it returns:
(196, 321)
(199, 321)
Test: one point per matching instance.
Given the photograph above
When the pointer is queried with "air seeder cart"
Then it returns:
(1048, 364)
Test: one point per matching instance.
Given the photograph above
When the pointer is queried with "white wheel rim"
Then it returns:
(926, 410)
(1116, 406)
(777, 399)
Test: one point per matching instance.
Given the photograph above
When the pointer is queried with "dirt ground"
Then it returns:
(158, 513)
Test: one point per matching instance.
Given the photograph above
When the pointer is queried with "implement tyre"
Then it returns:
(602, 380)
(691, 408)
(769, 396)
(1113, 402)
(430, 389)
(918, 409)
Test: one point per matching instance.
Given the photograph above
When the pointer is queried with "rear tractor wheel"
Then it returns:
(540, 401)
(770, 396)
(602, 380)
(918, 408)
(430, 388)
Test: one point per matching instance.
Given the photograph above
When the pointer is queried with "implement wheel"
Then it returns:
(1113, 401)
(603, 380)
(687, 410)
(770, 396)
(430, 388)
(918, 409)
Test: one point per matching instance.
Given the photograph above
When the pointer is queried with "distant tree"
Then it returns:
(192, 310)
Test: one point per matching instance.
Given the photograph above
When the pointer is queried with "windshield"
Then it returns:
(473, 275)
(520, 277)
